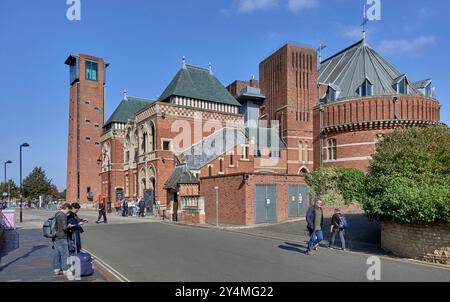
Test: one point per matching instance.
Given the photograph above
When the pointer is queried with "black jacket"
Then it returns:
(311, 218)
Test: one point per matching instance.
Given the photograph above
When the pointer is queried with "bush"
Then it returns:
(408, 181)
(336, 186)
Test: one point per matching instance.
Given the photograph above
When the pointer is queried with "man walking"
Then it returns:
(101, 213)
(60, 244)
(314, 218)
(338, 225)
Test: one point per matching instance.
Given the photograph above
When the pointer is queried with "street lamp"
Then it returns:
(106, 156)
(7, 163)
(217, 205)
(25, 145)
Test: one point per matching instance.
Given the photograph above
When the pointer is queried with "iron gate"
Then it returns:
(265, 203)
(298, 200)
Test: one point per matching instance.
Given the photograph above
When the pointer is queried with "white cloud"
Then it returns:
(405, 46)
(295, 6)
(300, 5)
(249, 6)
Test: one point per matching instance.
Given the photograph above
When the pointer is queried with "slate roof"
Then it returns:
(198, 83)
(127, 109)
(348, 69)
(181, 176)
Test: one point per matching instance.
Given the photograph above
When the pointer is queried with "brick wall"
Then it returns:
(428, 243)
(237, 197)
(357, 124)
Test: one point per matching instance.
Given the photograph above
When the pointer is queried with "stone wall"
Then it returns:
(427, 243)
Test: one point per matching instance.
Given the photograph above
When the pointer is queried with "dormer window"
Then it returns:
(401, 85)
(333, 93)
(366, 89)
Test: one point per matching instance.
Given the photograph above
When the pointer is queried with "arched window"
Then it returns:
(144, 143)
(209, 170)
(232, 159)
(332, 149)
(152, 137)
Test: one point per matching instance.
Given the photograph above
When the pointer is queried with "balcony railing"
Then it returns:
(193, 204)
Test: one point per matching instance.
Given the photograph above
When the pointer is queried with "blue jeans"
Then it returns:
(316, 238)
(60, 255)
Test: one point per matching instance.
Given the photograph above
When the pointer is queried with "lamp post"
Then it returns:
(106, 156)
(24, 145)
(217, 205)
(7, 163)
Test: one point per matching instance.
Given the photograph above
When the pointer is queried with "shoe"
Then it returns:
(97, 222)
(316, 247)
(57, 273)
(331, 248)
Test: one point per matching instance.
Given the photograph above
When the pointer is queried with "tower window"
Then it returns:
(166, 145)
(91, 71)
(88, 139)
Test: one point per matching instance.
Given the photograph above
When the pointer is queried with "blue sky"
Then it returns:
(145, 40)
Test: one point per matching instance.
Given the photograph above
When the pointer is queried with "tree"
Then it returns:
(336, 186)
(408, 181)
(12, 187)
(36, 184)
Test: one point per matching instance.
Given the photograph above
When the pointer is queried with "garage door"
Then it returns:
(266, 203)
(298, 200)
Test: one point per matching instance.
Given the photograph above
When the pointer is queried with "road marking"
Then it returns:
(108, 268)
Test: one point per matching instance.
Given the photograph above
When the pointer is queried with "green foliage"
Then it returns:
(409, 179)
(36, 184)
(336, 186)
(12, 187)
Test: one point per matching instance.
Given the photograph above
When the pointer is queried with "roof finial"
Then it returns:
(184, 62)
(365, 20)
(253, 77)
(125, 96)
(210, 68)
(320, 49)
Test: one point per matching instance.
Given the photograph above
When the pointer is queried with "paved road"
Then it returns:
(164, 252)
(148, 250)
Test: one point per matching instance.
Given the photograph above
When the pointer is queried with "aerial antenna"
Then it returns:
(320, 49)
(184, 62)
(125, 94)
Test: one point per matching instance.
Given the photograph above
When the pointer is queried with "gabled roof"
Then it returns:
(198, 83)
(349, 68)
(181, 176)
(127, 109)
(422, 84)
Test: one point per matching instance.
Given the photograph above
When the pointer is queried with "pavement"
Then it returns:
(149, 250)
(27, 256)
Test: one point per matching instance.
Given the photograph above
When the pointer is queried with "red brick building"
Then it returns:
(363, 97)
(237, 155)
(86, 118)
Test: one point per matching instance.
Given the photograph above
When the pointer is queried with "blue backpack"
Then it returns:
(343, 224)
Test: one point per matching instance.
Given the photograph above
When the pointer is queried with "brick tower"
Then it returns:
(288, 79)
(86, 119)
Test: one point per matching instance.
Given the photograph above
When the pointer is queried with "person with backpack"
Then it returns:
(58, 232)
(338, 225)
(314, 219)
(101, 213)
